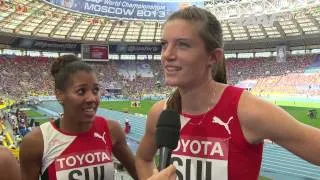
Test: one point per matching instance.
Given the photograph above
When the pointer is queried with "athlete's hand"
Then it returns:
(168, 173)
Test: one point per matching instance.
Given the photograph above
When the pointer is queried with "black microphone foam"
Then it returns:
(167, 136)
(168, 129)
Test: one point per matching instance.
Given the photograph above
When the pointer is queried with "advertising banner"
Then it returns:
(126, 9)
(45, 45)
(134, 49)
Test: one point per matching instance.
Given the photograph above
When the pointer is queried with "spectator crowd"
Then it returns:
(23, 76)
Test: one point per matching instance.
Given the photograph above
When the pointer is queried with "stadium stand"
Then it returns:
(26, 72)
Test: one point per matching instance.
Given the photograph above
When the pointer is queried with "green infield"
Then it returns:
(41, 118)
(300, 113)
(32, 113)
(41, 121)
(125, 106)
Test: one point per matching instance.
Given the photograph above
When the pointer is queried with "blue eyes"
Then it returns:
(181, 45)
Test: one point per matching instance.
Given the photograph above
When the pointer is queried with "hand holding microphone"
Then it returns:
(168, 173)
(167, 136)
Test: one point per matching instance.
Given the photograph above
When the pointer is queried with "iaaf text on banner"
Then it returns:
(134, 49)
(127, 9)
(45, 45)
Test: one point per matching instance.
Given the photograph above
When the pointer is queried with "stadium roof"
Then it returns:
(254, 24)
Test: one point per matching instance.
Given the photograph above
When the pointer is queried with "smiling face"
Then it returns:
(184, 57)
(81, 97)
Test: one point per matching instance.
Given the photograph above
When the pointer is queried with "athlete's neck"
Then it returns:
(70, 126)
(200, 99)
